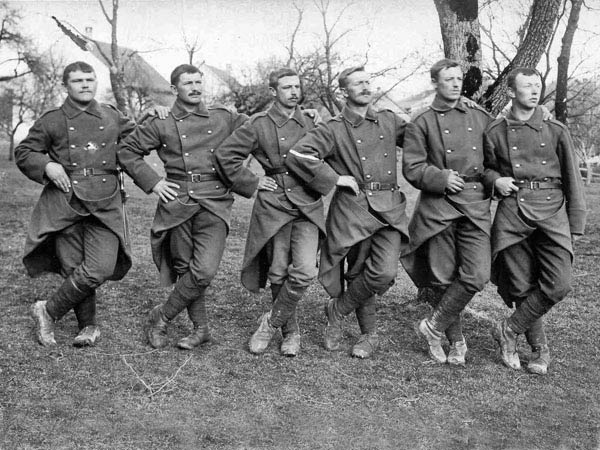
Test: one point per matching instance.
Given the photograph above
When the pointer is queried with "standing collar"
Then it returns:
(535, 121)
(281, 118)
(71, 110)
(179, 112)
(440, 105)
(356, 119)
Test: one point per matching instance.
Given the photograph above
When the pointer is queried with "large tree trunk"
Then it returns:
(560, 105)
(459, 24)
(117, 82)
(539, 32)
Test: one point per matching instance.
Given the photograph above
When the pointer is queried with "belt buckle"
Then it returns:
(534, 185)
(88, 172)
(196, 177)
(375, 186)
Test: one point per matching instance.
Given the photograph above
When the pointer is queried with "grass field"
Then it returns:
(123, 395)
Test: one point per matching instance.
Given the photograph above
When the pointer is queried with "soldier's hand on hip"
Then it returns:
(165, 190)
(455, 183)
(56, 173)
(266, 184)
(505, 186)
(350, 182)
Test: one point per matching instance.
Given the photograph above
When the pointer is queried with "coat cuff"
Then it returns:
(325, 179)
(577, 218)
(147, 179)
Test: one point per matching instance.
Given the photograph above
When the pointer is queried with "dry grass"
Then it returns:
(123, 395)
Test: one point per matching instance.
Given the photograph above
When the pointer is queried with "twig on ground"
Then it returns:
(157, 387)
(124, 354)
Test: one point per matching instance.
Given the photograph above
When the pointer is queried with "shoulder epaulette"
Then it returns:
(309, 113)
(336, 118)
(419, 112)
(56, 108)
(258, 115)
(230, 110)
(556, 122)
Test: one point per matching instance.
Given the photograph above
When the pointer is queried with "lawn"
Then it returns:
(121, 394)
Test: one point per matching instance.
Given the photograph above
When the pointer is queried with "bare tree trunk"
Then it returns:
(459, 24)
(116, 69)
(11, 148)
(543, 19)
(560, 105)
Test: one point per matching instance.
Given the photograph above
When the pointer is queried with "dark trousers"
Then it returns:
(197, 247)
(87, 252)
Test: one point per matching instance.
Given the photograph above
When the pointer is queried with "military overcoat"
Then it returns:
(364, 148)
(81, 141)
(268, 136)
(440, 140)
(186, 143)
(534, 151)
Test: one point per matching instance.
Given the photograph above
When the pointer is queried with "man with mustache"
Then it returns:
(77, 227)
(531, 165)
(449, 250)
(283, 236)
(366, 223)
(192, 216)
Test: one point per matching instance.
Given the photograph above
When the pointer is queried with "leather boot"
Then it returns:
(156, 328)
(86, 311)
(507, 340)
(332, 336)
(197, 337)
(262, 336)
(434, 340)
(87, 336)
(540, 352)
(285, 303)
(44, 324)
(66, 297)
(458, 345)
(366, 345)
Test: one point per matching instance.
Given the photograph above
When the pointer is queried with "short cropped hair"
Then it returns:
(512, 75)
(343, 78)
(74, 67)
(441, 65)
(280, 73)
(180, 70)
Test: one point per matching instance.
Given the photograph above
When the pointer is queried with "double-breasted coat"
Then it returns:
(82, 141)
(268, 136)
(534, 151)
(438, 141)
(365, 148)
(186, 143)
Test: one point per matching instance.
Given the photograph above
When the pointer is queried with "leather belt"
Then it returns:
(472, 178)
(89, 172)
(194, 177)
(535, 185)
(275, 170)
(377, 186)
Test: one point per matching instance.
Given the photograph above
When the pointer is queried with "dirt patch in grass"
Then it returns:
(123, 395)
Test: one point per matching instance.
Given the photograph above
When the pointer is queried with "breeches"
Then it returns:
(376, 258)
(293, 253)
(460, 252)
(87, 252)
(197, 246)
(533, 263)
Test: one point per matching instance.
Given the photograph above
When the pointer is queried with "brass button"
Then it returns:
(514, 148)
(186, 154)
(548, 198)
(164, 145)
(542, 144)
(368, 176)
(72, 128)
(517, 165)
(474, 148)
(212, 150)
(103, 162)
(370, 193)
(183, 136)
(209, 131)
(447, 131)
(442, 114)
(103, 144)
(190, 172)
(104, 180)
(75, 182)
(101, 127)
(285, 156)
(385, 155)
(389, 172)
(469, 129)
(381, 136)
(283, 139)
(363, 158)
(359, 141)
(448, 151)
(543, 162)
(72, 146)
(191, 192)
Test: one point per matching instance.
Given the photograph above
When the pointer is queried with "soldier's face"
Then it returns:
(288, 92)
(449, 84)
(189, 88)
(81, 86)
(527, 91)
(358, 90)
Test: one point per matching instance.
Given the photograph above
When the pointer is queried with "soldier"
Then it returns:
(77, 228)
(530, 163)
(286, 219)
(450, 227)
(192, 216)
(366, 223)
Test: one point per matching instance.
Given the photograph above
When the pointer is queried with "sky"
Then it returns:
(240, 33)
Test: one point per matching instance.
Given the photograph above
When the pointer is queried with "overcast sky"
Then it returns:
(240, 33)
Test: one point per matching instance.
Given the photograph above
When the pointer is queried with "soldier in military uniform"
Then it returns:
(77, 227)
(531, 164)
(192, 216)
(366, 223)
(286, 219)
(450, 227)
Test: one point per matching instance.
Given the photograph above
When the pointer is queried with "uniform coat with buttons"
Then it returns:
(364, 148)
(77, 139)
(440, 140)
(535, 150)
(269, 136)
(186, 143)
